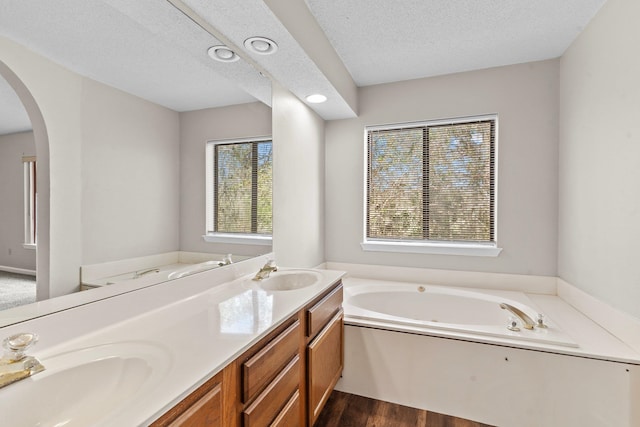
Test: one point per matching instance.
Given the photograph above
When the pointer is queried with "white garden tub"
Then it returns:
(439, 308)
(448, 350)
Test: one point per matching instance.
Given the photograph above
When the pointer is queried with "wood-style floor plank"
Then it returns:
(350, 410)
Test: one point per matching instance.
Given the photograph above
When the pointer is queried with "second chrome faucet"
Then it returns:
(266, 270)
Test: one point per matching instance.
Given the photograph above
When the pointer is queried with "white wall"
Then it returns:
(130, 176)
(599, 221)
(525, 99)
(12, 253)
(298, 181)
(196, 128)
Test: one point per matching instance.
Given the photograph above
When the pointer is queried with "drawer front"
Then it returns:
(323, 311)
(260, 369)
(290, 414)
(325, 362)
(206, 412)
(268, 405)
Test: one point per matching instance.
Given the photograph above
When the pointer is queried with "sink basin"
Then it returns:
(290, 280)
(83, 387)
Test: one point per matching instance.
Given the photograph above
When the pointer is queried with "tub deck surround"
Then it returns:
(201, 322)
(109, 273)
(475, 315)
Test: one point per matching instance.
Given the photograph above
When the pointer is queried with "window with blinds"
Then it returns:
(30, 200)
(432, 181)
(239, 177)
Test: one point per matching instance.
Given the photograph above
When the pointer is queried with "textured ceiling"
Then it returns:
(144, 47)
(382, 41)
(13, 116)
(156, 49)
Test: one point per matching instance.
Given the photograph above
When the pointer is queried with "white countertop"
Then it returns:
(196, 324)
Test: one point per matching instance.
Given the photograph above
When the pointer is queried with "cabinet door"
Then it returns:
(325, 362)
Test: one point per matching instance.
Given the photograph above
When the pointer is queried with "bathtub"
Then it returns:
(448, 350)
(445, 309)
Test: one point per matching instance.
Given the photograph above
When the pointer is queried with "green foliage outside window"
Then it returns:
(432, 182)
(243, 187)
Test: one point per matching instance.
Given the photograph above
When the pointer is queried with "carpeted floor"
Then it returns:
(16, 289)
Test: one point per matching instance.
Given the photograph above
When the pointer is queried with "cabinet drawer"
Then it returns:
(264, 410)
(290, 414)
(325, 362)
(265, 365)
(206, 412)
(203, 407)
(323, 311)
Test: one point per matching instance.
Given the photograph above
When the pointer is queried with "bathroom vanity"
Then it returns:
(283, 380)
(213, 348)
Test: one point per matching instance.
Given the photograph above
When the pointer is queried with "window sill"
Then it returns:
(238, 239)
(432, 248)
(31, 246)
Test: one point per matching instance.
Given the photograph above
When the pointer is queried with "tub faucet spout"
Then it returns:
(141, 273)
(527, 321)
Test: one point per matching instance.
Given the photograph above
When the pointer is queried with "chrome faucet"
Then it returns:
(225, 261)
(266, 270)
(15, 365)
(141, 273)
(527, 322)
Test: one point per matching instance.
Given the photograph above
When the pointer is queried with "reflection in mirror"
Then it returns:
(126, 128)
(18, 195)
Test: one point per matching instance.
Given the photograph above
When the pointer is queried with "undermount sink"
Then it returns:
(290, 280)
(84, 387)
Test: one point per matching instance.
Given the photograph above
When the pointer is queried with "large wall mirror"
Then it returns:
(125, 98)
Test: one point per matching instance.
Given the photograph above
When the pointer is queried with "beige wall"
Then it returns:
(130, 175)
(94, 205)
(196, 128)
(525, 99)
(599, 221)
(298, 181)
(12, 253)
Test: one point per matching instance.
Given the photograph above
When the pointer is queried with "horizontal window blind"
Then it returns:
(432, 182)
(242, 175)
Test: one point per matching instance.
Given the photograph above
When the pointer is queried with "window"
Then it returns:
(239, 177)
(432, 185)
(30, 201)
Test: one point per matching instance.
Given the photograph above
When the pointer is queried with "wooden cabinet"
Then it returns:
(271, 402)
(325, 350)
(284, 380)
(265, 365)
(325, 361)
(202, 408)
(272, 373)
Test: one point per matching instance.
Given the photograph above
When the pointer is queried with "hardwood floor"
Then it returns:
(349, 410)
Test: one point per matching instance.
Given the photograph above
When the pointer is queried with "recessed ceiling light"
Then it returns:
(222, 54)
(261, 45)
(316, 98)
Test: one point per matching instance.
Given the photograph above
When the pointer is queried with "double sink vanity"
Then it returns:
(217, 348)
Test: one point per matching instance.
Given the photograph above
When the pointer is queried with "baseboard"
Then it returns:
(17, 270)
(622, 325)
